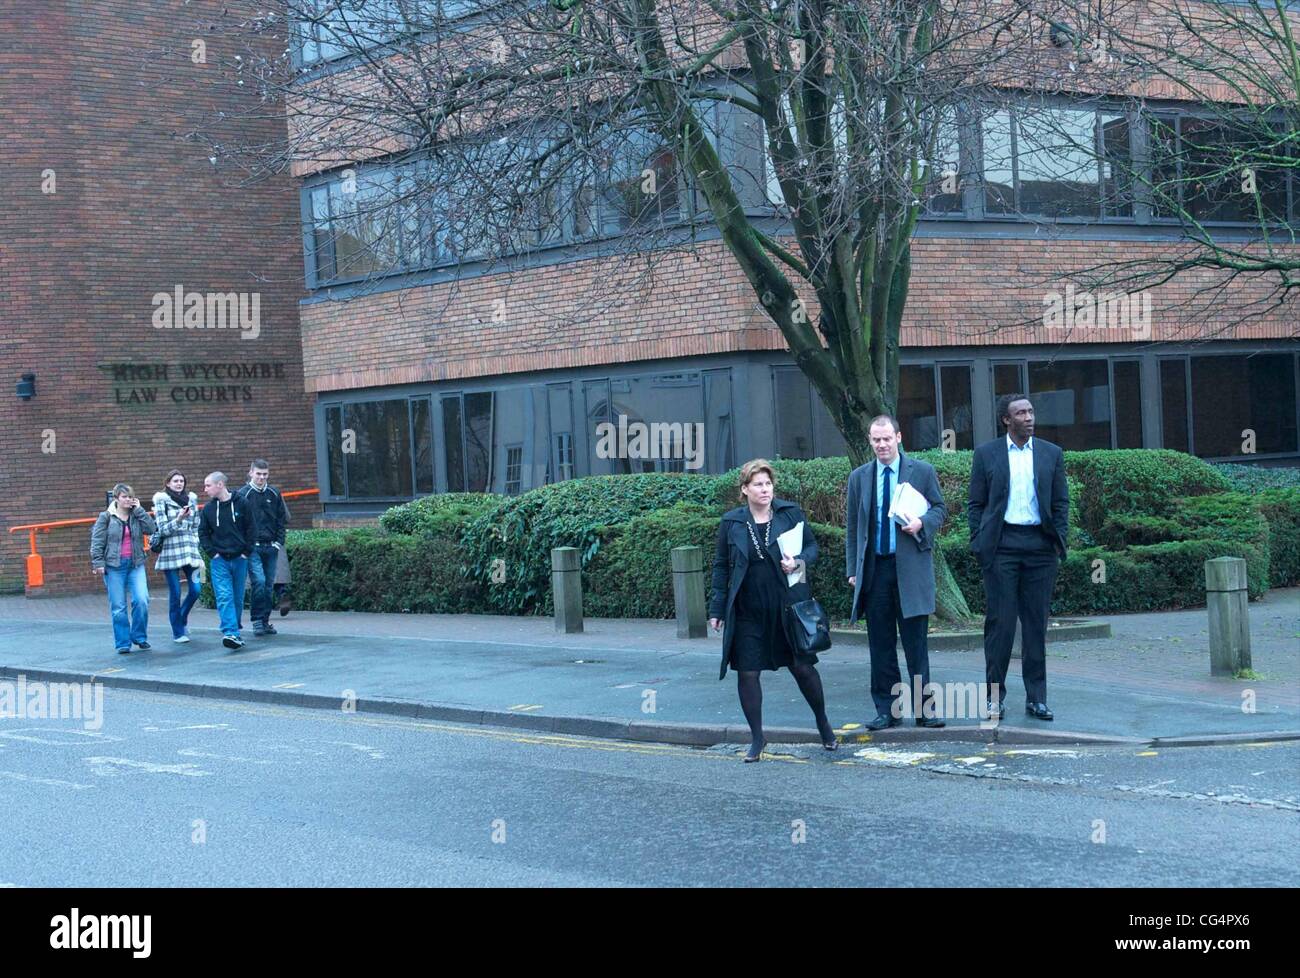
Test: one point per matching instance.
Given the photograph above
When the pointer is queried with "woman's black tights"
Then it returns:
(751, 700)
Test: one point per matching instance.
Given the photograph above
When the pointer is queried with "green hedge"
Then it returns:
(369, 570)
(630, 575)
(1153, 517)
(1135, 480)
(1281, 507)
(522, 530)
(432, 515)
(818, 485)
(1094, 580)
(1252, 478)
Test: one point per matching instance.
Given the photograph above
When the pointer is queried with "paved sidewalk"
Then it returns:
(633, 678)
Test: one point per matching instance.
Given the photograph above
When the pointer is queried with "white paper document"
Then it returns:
(791, 544)
(908, 504)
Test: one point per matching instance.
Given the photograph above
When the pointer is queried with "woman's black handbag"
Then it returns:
(806, 624)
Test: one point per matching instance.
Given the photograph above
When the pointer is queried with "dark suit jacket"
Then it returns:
(990, 489)
(914, 555)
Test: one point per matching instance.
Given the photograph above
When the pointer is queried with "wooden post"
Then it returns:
(1225, 600)
(566, 589)
(688, 592)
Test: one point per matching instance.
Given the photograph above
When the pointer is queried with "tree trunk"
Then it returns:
(949, 603)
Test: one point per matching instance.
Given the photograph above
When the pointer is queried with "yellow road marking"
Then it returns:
(1146, 753)
(287, 686)
(106, 672)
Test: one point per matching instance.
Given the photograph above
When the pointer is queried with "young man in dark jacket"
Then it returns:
(228, 532)
(272, 517)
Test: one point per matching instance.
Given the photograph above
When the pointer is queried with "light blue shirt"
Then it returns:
(1022, 501)
(882, 506)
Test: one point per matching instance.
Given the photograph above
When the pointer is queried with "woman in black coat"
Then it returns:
(749, 587)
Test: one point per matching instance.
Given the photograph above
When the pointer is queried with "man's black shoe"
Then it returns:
(268, 628)
(258, 629)
(143, 646)
(232, 641)
(285, 604)
(884, 720)
(1039, 711)
(932, 722)
(994, 710)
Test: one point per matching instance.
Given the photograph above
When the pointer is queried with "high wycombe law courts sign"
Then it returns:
(191, 383)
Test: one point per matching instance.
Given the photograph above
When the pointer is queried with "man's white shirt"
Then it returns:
(1022, 501)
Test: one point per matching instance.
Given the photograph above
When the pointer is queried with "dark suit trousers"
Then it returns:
(1019, 586)
(884, 615)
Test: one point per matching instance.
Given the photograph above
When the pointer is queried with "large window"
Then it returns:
(1071, 402)
(658, 423)
(1079, 404)
(918, 412)
(955, 398)
(1243, 405)
(375, 221)
(946, 166)
(330, 29)
(1030, 160)
(804, 427)
(1056, 162)
(1173, 404)
(1211, 169)
(491, 196)
(368, 444)
(1127, 384)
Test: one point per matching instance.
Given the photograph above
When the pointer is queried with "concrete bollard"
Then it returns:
(688, 592)
(566, 589)
(1225, 600)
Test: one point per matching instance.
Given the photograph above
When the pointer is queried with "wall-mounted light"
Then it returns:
(27, 386)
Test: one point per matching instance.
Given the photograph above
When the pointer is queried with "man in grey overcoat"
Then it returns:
(891, 570)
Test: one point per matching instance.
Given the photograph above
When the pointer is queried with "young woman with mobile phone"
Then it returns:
(177, 512)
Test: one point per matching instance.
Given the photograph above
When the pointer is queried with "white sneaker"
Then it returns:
(183, 639)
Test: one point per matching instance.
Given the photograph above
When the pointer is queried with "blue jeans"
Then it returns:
(228, 587)
(178, 610)
(120, 580)
(261, 571)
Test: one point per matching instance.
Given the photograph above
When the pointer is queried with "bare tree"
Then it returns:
(810, 135)
(1219, 174)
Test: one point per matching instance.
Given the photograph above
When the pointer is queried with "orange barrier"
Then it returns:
(36, 566)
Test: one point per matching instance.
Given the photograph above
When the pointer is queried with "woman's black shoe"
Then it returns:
(755, 755)
(829, 743)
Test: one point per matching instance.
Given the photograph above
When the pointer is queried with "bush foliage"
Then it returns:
(1149, 518)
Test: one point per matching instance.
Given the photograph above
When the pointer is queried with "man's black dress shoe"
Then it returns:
(884, 720)
(1039, 711)
(933, 722)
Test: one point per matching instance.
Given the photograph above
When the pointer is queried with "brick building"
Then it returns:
(109, 212)
(449, 373)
